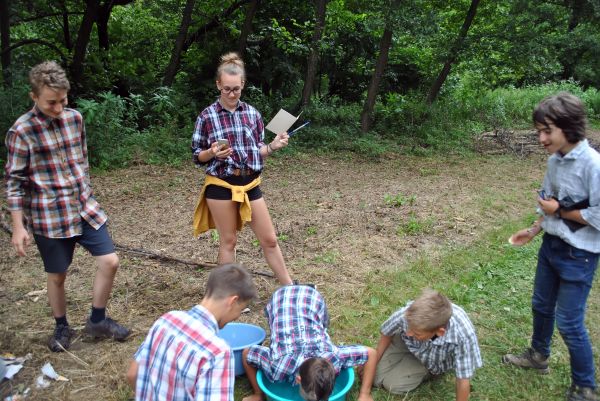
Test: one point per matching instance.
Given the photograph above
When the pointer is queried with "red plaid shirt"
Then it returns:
(244, 128)
(47, 174)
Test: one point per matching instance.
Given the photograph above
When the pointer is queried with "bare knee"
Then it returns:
(228, 241)
(269, 242)
(57, 280)
(108, 263)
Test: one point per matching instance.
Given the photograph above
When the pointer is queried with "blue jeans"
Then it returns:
(563, 280)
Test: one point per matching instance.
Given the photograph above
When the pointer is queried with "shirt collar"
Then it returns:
(575, 152)
(205, 315)
(240, 106)
(43, 118)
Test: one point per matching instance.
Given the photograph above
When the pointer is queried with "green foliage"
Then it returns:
(415, 226)
(399, 200)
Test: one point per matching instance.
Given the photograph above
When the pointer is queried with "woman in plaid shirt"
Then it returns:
(231, 194)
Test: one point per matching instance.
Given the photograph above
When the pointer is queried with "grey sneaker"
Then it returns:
(530, 359)
(61, 338)
(576, 393)
(106, 328)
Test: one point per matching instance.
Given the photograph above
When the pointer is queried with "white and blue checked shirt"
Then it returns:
(456, 350)
(575, 175)
(183, 359)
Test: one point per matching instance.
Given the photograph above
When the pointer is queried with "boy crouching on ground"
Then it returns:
(427, 337)
(182, 357)
(301, 350)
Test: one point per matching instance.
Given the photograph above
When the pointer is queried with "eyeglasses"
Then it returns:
(227, 90)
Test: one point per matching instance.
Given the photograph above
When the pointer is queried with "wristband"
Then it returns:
(269, 149)
(557, 212)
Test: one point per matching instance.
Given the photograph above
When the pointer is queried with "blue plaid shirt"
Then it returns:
(298, 320)
(575, 175)
(457, 349)
(243, 128)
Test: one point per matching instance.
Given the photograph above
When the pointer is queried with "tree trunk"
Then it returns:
(437, 85)
(384, 49)
(247, 28)
(5, 42)
(66, 30)
(173, 65)
(313, 58)
(90, 15)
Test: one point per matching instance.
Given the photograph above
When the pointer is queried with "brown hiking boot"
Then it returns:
(530, 359)
(577, 393)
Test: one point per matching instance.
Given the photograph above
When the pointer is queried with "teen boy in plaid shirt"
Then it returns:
(182, 357)
(427, 337)
(298, 319)
(47, 181)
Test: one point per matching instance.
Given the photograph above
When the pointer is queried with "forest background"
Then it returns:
(377, 76)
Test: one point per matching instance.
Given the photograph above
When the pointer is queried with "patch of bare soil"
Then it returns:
(334, 224)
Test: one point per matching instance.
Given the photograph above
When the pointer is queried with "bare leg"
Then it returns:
(103, 282)
(224, 214)
(263, 229)
(56, 293)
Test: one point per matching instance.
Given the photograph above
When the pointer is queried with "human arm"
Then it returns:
(384, 342)
(463, 389)
(20, 236)
(251, 372)
(280, 141)
(525, 235)
(368, 376)
(214, 152)
(131, 374)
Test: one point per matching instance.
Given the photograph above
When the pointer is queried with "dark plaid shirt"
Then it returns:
(47, 174)
(243, 128)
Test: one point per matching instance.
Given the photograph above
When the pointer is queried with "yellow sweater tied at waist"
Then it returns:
(203, 220)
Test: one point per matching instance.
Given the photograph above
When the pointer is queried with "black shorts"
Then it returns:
(57, 253)
(221, 193)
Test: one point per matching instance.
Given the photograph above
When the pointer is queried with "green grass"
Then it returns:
(492, 281)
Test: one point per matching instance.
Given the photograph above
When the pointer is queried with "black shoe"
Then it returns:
(296, 282)
(61, 339)
(106, 328)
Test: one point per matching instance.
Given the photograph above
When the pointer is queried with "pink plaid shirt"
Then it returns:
(47, 174)
(183, 359)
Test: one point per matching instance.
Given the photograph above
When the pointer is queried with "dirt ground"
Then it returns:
(333, 222)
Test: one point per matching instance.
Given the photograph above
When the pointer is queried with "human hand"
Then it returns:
(280, 141)
(522, 237)
(549, 206)
(365, 397)
(220, 151)
(20, 240)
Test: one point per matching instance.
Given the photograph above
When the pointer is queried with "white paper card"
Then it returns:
(281, 122)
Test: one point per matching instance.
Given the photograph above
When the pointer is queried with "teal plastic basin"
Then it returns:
(240, 336)
(282, 391)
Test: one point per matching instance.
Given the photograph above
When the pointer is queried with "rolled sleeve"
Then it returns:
(352, 355)
(467, 359)
(199, 141)
(592, 213)
(16, 169)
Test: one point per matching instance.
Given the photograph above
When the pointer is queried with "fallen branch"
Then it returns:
(140, 252)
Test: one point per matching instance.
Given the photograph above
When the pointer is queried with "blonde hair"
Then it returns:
(429, 312)
(232, 64)
(50, 74)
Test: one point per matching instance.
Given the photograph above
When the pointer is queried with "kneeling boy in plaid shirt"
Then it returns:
(425, 338)
(301, 350)
(182, 357)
